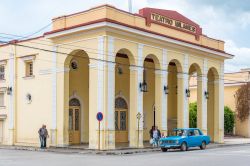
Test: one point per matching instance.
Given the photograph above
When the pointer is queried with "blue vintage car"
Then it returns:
(183, 138)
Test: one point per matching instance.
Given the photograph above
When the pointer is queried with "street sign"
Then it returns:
(99, 116)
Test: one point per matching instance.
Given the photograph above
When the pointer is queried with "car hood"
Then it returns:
(172, 138)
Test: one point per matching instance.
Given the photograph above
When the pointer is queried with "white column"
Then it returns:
(163, 100)
(185, 98)
(100, 68)
(111, 94)
(140, 93)
(53, 134)
(96, 97)
(11, 99)
(136, 77)
(204, 99)
(221, 104)
(164, 96)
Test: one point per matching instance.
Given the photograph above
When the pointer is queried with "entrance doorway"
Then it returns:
(121, 120)
(74, 121)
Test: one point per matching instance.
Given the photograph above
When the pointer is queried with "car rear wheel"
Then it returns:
(164, 149)
(184, 146)
(203, 145)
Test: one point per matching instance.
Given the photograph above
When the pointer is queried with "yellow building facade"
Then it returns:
(110, 61)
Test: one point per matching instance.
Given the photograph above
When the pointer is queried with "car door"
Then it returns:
(198, 137)
(191, 138)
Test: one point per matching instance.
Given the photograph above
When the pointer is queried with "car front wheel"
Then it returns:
(203, 145)
(184, 146)
(164, 149)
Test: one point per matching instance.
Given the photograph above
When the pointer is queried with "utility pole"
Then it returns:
(248, 91)
(130, 6)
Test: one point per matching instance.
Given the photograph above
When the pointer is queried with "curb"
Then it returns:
(214, 146)
(107, 152)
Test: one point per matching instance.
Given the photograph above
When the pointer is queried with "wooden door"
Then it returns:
(74, 125)
(121, 125)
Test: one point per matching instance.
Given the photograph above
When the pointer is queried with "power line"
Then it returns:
(107, 53)
(128, 73)
(27, 36)
(200, 75)
(79, 47)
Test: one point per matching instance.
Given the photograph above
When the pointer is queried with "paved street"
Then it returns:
(235, 156)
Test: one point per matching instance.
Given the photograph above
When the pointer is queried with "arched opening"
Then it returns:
(194, 99)
(151, 63)
(123, 60)
(174, 68)
(212, 113)
(77, 88)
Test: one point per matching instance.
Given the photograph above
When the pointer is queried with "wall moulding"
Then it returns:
(29, 57)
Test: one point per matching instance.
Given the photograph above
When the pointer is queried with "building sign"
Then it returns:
(172, 22)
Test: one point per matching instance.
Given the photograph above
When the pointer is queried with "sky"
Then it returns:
(227, 20)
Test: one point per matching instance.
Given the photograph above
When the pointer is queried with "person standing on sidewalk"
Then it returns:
(155, 137)
(43, 135)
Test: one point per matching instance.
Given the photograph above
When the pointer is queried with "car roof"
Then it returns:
(186, 129)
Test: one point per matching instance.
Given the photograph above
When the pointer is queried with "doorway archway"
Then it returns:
(76, 88)
(74, 121)
(174, 68)
(212, 111)
(121, 120)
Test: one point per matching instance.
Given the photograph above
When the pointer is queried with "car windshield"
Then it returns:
(178, 132)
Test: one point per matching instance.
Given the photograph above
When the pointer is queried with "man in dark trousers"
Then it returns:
(151, 132)
(43, 135)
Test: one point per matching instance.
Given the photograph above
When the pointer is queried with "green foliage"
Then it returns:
(193, 115)
(229, 120)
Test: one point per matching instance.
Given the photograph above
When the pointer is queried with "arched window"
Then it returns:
(120, 103)
(74, 102)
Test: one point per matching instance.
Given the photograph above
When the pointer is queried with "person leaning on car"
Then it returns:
(151, 132)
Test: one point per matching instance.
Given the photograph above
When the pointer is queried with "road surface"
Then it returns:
(227, 156)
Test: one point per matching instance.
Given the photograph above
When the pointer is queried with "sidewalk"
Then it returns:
(236, 140)
(229, 141)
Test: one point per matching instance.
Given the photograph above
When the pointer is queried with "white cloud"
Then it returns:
(241, 59)
(244, 19)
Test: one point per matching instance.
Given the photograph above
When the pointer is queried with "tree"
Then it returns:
(229, 120)
(193, 115)
(242, 98)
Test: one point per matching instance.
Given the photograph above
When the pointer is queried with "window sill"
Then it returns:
(3, 80)
(29, 77)
(2, 107)
(3, 116)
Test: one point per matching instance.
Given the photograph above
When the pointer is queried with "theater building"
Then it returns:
(110, 61)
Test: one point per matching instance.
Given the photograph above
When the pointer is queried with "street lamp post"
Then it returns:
(138, 116)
